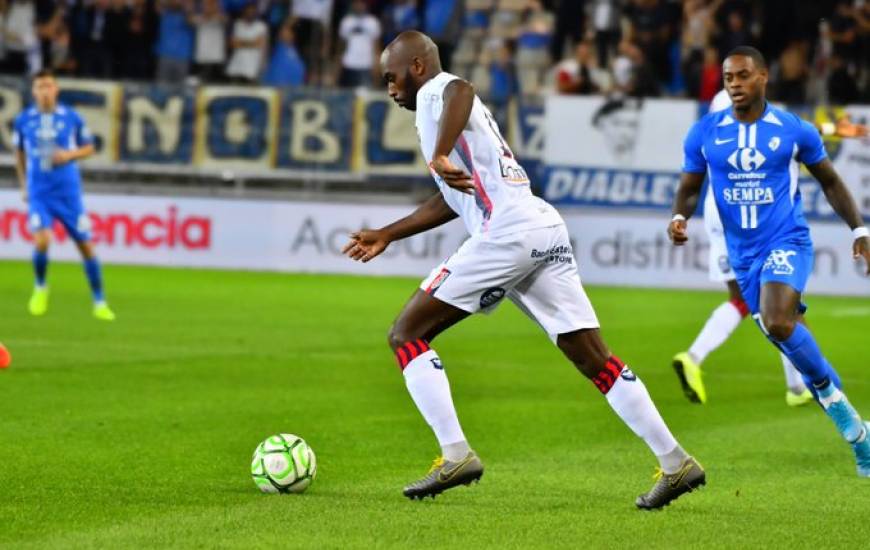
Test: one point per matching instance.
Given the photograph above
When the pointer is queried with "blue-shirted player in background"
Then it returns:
(49, 139)
(751, 153)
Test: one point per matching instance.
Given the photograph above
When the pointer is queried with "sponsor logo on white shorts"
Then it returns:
(560, 254)
(491, 297)
(779, 262)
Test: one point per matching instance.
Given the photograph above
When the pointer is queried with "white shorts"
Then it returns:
(719, 265)
(535, 269)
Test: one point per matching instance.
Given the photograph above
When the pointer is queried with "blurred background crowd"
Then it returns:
(818, 50)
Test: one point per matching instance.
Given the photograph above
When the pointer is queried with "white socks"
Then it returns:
(722, 322)
(630, 400)
(793, 379)
(427, 383)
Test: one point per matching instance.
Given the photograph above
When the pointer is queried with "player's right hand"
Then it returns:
(24, 196)
(366, 244)
(677, 231)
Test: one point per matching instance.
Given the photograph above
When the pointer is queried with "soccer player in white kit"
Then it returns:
(728, 315)
(518, 249)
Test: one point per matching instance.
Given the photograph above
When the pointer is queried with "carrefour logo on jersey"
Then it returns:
(746, 159)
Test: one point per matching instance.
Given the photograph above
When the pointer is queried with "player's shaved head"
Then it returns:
(408, 62)
(745, 74)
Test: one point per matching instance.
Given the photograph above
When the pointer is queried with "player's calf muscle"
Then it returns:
(586, 350)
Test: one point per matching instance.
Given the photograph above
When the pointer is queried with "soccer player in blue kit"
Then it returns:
(751, 154)
(49, 138)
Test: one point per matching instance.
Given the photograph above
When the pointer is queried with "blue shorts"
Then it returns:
(788, 263)
(69, 210)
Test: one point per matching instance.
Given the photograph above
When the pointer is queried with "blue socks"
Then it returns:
(95, 278)
(803, 351)
(40, 266)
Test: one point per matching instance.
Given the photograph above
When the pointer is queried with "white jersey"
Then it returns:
(503, 202)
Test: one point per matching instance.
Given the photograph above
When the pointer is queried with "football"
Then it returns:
(283, 463)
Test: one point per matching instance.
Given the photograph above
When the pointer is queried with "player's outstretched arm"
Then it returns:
(844, 205)
(458, 101)
(366, 244)
(685, 203)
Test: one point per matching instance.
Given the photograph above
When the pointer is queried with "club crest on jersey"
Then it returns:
(627, 375)
(773, 144)
(491, 297)
(779, 262)
(746, 159)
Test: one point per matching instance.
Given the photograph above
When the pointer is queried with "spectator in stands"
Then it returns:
(791, 73)
(697, 29)
(285, 65)
(97, 59)
(360, 34)
(174, 41)
(398, 16)
(275, 14)
(581, 74)
(19, 37)
(632, 73)
(533, 43)
(711, 75)
(605, 23)
(842, 88)
(570, 24)
(138, 56)
(117, 18)
(844, 31)
(503, 77)
(62, 62)
(49, 16)
(736, 33)
(311, 19)
(442, 21)
(210, 52)
(651, 32)
(249, 44)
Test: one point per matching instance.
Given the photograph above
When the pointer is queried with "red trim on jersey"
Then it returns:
(478, 184)
(740, 305)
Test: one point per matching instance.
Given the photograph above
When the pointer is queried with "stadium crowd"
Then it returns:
(818, 50)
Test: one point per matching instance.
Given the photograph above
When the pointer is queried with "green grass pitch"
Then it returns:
(139, 433)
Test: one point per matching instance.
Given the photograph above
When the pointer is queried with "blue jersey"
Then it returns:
(753, 172)
(39, 135)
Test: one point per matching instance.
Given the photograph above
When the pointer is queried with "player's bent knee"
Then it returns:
(399, 335)
(41, 240)
(778, 327)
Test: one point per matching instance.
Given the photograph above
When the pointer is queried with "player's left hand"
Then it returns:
(453, 176)
(861, 247)
(847, 129)
(61, 157)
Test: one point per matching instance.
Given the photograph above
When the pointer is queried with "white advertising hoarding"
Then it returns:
(612, 248)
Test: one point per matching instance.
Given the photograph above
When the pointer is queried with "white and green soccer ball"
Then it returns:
(283, 463)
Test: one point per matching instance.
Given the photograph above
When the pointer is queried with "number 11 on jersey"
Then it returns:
(749, 216)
